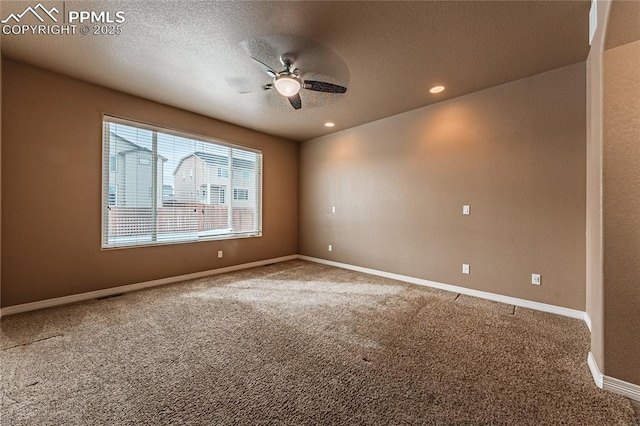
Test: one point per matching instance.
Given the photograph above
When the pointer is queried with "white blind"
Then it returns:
(162, 187)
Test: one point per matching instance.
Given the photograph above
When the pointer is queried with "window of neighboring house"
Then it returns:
(203, 192)
(240, 194)
(113, 195)
(155, 159)
(217, 194)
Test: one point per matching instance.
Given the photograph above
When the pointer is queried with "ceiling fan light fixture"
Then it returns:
(287, 85)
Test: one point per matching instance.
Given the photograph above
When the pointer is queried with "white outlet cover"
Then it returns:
(219, 254)
(330, 247)
(536, 279)
(465, 268)
(333, 209)
(466, 209)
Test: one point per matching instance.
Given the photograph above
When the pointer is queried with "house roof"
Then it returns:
(134, 147)
(219, 160)
(119, 139)
(212, 159)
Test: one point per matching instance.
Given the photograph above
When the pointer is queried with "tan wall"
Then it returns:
(613, 230)
(514, 153)
(594, 251)
(621, 207)
(51, 166)
(0, 173)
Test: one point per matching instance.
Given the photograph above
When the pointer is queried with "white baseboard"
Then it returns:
(595, 371)
(567, 312)
(587, 320)
(25, 307)
(611, 384)
(572, 313)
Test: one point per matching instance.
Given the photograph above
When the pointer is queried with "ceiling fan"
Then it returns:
(289, 82)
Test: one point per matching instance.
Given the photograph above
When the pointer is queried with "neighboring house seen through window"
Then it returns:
(151, 201)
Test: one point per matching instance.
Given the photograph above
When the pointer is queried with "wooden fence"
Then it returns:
(179, 218)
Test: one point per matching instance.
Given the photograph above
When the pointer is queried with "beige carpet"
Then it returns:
(298, 344)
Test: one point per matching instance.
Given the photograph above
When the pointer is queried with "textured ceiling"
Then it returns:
(190, 54)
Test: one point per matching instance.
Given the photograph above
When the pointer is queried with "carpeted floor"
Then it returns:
(298, 343)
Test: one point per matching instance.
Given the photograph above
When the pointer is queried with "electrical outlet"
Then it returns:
(333, 209)
(536, 279)
(330, 247)
(465, 268)
(219, 254)
(466, 210)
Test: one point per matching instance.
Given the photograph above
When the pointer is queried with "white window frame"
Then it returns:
(218, 234)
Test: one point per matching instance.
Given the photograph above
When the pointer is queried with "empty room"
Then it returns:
(320, 212)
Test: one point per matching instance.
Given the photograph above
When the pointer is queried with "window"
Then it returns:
(167, 189)
(203, 192)
(217, 194)
(113, 195)
(240, 194)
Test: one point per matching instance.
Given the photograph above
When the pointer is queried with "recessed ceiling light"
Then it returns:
(436, 89)
(329, 124)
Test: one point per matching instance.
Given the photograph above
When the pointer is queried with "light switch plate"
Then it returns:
(465, 268)
(466, 210)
